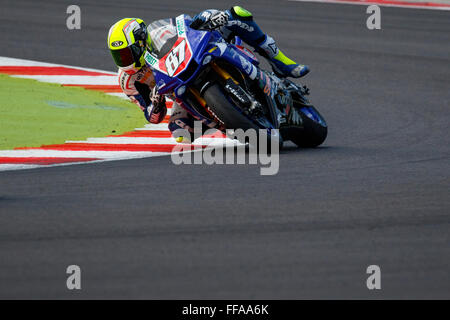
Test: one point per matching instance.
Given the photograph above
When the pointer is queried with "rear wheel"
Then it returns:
(314, 130)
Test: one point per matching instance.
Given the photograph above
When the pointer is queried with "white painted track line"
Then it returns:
(77, 80)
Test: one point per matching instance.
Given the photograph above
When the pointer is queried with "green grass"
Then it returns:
(33, 113)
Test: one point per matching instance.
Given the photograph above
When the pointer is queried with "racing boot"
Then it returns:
(281, 65)
(240, 21)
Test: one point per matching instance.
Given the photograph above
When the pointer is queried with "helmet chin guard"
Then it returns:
(131, 69)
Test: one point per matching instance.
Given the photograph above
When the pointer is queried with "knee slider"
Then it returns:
(182, 128)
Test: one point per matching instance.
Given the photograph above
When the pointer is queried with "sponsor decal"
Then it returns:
(116, 43)
(180, 25)
(241, 24)
(150, 59)
(247, 52)
(238, 94)
(245, 65)
(273, 47)
(268, 85)
(222, 47)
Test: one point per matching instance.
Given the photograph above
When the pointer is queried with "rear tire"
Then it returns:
(312, 135)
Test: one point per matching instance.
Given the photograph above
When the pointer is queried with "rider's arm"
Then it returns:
(155, 104)
(152, 104)
(210, 19)
(216, 20)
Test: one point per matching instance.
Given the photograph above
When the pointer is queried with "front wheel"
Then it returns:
(227, 112)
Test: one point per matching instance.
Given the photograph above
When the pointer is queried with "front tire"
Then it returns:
(225, 111)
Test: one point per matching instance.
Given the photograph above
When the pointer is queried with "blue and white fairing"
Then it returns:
(188, 51)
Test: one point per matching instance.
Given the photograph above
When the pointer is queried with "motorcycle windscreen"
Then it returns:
(163, 35)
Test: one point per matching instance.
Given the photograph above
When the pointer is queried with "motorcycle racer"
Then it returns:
(128, 40)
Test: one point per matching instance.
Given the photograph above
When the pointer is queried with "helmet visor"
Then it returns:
(127, 56)
(123, 57)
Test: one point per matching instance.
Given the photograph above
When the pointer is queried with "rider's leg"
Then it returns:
(241, 23)
(181, 125)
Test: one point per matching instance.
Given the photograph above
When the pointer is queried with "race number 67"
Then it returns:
(175, 58)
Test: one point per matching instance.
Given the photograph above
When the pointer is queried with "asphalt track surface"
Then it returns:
(377, 192)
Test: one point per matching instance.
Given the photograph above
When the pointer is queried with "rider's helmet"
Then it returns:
(127, 40)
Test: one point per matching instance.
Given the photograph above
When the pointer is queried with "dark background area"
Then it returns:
(377, 191)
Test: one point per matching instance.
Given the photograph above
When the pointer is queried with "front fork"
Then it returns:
(231, 86)
(251, 107)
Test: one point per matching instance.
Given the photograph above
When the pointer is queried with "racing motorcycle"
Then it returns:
(212, 80)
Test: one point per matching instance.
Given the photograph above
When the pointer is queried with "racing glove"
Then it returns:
(157, 109)
(209, 20)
